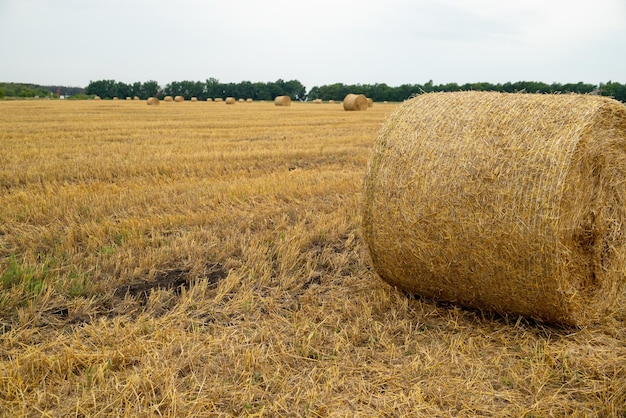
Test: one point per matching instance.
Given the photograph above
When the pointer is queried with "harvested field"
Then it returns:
(170, 261)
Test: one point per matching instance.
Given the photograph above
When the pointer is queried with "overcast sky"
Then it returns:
(70, 42)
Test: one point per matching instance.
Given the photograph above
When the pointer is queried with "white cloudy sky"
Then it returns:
(70, 42)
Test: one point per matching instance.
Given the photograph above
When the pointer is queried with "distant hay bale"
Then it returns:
(370, 102)
(331, 101)
(230, 100)
(153, 101)
(282, 101)
(115, 98)
(194, 99)
(97, 98)
(241, 100)
(128, 98)
(218, 99)
(209, 99)
(135, 97)
(168, 99)
(179, 99)
(514, 203)
(248, 100)
(317, 101)
(355, 102)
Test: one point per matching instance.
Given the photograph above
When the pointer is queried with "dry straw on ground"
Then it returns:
(282, 101)
(355, 102)
(510, 202)
(230, 100)
(153, 101)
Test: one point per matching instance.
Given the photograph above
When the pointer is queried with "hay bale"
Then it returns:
(282, 101)
(135, 97)
(514, 203)
(317, 101)
(218, 99)
(249, 100)
(179, 99)
(209, 99)
(355, 102)
(97, 98)
(230, 100)
(152, 101)
(194, 99)
(370, 102)
(331, 101)
(168, 99)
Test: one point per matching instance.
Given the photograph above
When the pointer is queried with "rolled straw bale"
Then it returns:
(355, 102)
(282, 101)
(135, 97)
(230, 100)
(317, 101)
(218, 99)
(194, 99)
(168, 99)
(153, 101)
(241, 100)
(97, 98)
(128, 98)
(514, 203)
(370, 102)
(249, 100)
(209, 99)
(179, 99)
(331, 102)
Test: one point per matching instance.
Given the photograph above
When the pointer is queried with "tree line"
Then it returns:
(383, 92)
(213, 88)
(379, 92)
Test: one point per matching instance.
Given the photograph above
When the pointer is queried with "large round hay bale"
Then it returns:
(152, 101)
(168, 99)
(514, 203)
(370, 102)
(194, 99)
(355, 102)
(179, 99)
(230, 100)
(282, 101)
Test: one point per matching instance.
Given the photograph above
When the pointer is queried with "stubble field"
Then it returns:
(203, 259)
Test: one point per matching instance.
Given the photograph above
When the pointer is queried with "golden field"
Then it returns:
(198, 259)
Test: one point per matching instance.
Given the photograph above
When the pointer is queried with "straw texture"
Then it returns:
(152, 101)
(507, 202)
